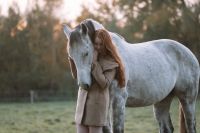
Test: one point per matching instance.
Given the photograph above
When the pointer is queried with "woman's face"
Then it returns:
(98, 45)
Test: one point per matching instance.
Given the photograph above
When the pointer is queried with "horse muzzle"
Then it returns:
(84, 78)
(84, 86)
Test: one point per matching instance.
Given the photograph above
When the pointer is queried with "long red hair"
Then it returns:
(107, 42)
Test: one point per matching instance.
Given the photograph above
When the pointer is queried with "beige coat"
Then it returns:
(92, 105)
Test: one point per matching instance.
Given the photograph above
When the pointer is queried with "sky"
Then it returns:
(4, 5)
(70, 9)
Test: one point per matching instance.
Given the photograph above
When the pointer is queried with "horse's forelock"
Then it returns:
(75, 35)
(91, 29)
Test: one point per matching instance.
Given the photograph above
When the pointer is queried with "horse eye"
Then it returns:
(85, 54)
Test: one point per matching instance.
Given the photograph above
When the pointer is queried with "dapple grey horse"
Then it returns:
(155, 72)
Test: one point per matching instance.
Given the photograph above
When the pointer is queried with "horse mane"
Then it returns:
(91, 29)
(107, 42)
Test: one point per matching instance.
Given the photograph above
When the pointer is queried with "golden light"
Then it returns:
(22, 24)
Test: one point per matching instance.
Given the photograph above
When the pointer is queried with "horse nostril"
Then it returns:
(84, 86)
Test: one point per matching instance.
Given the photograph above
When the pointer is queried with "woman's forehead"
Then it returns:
(97, 40)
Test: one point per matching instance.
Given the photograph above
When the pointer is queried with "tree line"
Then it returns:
(33, 52)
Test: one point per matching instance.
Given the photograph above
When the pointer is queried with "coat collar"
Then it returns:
(108, 63)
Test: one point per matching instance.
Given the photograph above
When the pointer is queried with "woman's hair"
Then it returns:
(107, 42)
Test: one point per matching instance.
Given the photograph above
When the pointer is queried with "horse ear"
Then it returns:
(67, 30)
(84, 28)
(73, 68)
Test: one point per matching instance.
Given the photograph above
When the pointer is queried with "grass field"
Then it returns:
(58, 117)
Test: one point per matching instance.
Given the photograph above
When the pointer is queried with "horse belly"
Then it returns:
(145, 93)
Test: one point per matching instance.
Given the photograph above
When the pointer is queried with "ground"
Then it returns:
(51, 117)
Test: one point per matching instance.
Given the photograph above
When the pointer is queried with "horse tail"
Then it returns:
(182, 120)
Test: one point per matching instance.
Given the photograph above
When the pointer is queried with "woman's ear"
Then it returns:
(73, 68)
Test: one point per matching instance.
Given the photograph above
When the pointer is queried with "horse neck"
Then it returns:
(118, 40)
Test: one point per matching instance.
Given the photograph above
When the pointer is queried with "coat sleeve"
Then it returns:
(103, 78)
(73, 68)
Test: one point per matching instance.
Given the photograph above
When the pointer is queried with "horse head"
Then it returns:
(80, 51)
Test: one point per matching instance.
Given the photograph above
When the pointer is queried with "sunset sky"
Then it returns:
(70, 9)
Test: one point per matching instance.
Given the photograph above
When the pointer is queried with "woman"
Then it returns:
(106, 63)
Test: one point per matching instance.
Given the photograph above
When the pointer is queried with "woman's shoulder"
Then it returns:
(108, 63)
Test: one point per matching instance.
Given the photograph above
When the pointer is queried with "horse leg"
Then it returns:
(161, 111)
(118, 99)
(118, 114)
(107, 129)
(187, 97)
(188, 108)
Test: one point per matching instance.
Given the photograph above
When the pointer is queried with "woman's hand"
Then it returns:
(95, 56)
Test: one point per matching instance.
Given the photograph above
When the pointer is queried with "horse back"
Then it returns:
(155, 68)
